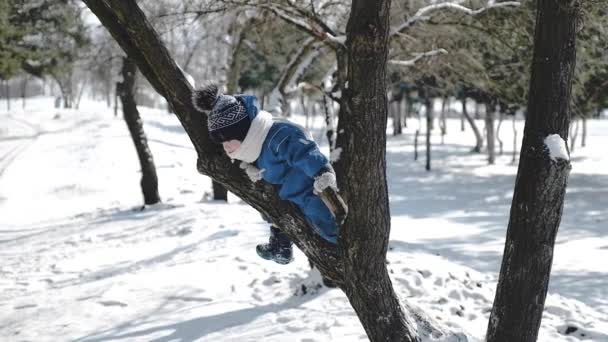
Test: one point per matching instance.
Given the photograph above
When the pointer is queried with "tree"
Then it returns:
(366, 232)
(43, 38)
(541, 178)
(126, 91)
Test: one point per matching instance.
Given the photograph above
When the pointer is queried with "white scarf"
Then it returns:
(251, 147)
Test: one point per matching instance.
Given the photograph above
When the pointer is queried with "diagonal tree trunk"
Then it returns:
(149, 180)
(542, 177)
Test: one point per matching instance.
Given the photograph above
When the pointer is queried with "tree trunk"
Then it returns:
(573, 134)
(490, 118)
(396, 117)
(541, 181)
(442, 121)
(406, 112)
(80, 93)
(409, 109)
(220, 193)
(116, 101)
(329, 126)
(429, 126)
(7, 93)
(514, 160)
(363, 116)
(24, 90)
(478, 137)
(462, 117)
(149, 180)
(584, 134)
(501, 117)
(416, 144)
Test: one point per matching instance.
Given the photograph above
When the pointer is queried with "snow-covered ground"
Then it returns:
(81, 260)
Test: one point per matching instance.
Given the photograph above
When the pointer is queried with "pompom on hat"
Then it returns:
(227, 118)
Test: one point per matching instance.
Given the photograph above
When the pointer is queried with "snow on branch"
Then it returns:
(424, 13)
(417, 57)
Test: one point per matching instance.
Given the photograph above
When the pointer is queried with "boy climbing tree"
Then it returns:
(280, 153)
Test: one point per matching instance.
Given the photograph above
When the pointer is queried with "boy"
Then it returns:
(277, 151)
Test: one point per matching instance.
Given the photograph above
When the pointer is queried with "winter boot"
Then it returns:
(278, 249)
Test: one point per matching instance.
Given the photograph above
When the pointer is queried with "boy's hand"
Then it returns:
(326, 188)
(252, 172)
(324, 181)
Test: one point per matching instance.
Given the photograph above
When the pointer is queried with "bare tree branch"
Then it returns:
(318, 32)
(424, 13)
(418, 56)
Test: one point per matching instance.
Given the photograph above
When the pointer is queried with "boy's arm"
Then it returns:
(304, 154)
(301, 153)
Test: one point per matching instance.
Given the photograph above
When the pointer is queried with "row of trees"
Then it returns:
(284, 49)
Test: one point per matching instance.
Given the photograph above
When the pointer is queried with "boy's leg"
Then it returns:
(278, 249)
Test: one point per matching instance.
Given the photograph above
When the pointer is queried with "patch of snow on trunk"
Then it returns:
(557, 147)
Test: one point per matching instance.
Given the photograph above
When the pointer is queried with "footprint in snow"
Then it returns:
(112, 303)
(190, 299)
(25, 306)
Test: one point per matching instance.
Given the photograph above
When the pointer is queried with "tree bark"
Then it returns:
(541, 181)
(478, 137)
(149, 180)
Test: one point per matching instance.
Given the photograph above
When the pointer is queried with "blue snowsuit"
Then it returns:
(290, 160)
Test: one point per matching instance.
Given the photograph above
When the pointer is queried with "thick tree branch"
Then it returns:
(130, 28)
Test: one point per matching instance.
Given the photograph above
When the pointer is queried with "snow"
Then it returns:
(335, 154)
(83, 261)
(556, 147)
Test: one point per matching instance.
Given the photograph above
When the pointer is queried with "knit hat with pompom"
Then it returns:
(227, 118)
